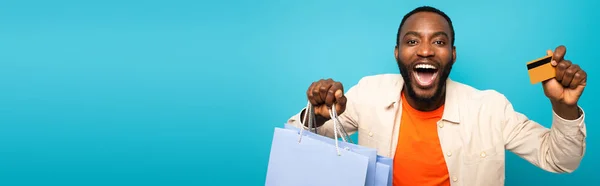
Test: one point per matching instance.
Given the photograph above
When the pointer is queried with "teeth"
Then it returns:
(425, 66)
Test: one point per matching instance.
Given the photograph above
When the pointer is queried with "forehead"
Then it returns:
(426, 23)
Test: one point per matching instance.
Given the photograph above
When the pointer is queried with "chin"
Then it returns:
(423, 94)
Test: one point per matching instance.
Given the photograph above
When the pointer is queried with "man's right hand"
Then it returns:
(322, 95)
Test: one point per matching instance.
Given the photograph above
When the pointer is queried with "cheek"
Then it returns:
(445, 55)
(406, 55)
(443, 52)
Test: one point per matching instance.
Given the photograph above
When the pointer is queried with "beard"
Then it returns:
(439, 89)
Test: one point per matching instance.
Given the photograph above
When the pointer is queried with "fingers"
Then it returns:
(330, 98)
(561, 69)
(574, 77)
(317, 93)
(309, 94)
(340, 105)
(569, 75)
(323, 112)
(578, 79)
(559, 54)
(583, 76)
(313, 93)
(324, 86)
(550, 53)
(324, 92)
(333, 93)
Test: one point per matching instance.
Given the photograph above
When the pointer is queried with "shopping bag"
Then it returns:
(370, 153)
(383, 174)
(296, 161)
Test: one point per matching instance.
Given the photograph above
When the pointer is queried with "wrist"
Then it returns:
(568, 112)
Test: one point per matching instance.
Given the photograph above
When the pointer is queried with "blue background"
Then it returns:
(188, 92)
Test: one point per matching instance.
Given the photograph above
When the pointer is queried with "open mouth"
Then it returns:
(425, 74)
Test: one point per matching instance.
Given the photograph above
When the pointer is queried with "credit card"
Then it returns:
(540, 69)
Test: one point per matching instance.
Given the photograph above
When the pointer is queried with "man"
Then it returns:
(441, 132)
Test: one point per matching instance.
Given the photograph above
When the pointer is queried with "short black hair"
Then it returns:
(426, 9)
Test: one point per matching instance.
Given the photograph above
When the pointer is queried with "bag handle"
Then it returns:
(334, 116)
(309, 116)
(338, 129)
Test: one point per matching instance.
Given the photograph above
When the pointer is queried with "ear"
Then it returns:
(396, 52)
(453, 54)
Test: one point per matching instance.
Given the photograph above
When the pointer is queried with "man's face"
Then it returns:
(425, 55)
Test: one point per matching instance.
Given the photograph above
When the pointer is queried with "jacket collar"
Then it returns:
(451, 105)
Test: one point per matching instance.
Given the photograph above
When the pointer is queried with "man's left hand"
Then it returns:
(566, 88)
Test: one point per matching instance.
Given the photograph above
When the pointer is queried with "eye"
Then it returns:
(439, 42)
(411, 42)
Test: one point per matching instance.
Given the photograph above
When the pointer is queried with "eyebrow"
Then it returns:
(440, 33)
(412, 33)
(434, 34)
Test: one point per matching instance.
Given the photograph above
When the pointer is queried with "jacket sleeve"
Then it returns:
(558, 149)
(348, 119)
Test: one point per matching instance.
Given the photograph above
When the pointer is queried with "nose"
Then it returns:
(425, 50)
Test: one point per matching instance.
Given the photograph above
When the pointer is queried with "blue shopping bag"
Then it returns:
(294, 162)
(383, 175)
(370, 153)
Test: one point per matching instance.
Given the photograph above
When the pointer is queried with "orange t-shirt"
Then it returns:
(419, 159)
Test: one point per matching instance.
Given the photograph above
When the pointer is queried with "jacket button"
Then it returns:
(441, 125)
(370, 134)
(454, 179)
(449, 154)
(482, 155)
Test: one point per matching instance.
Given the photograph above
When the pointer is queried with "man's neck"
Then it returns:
(425, 105)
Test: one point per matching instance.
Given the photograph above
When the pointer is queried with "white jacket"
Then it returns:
(476, 128)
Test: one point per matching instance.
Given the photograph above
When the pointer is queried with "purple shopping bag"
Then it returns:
(383, 175)
(370, 153)
(295, 162)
